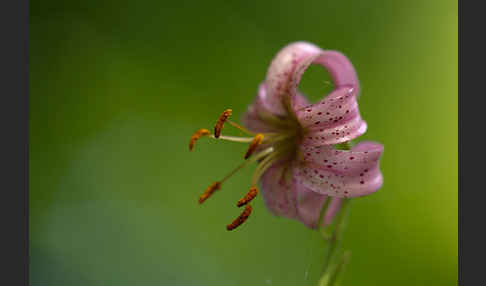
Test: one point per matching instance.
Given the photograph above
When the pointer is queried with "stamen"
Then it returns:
(209, 191)
(220, 123)
(234, 138)
(240, 219)
(252, 193)
(234, 124)
(264, 165)
(257, 140)
(257, 156)
(198, 134)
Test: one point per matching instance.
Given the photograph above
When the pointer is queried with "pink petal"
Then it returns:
(341, 69)
(285, 196)
(259, 118)
(288, 66)
(254, 117)
(278, 190)
(309, 205)
(285, 71)
(333, 120)
(340, 173)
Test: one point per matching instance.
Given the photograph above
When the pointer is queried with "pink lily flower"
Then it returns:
(299, 167)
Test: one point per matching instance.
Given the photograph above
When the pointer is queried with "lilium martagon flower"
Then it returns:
(302, 150)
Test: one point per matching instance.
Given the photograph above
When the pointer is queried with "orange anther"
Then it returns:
(198, 134)
(240, 219)
(257, 140)
(209, 191)
(220, 123)
(252, 193)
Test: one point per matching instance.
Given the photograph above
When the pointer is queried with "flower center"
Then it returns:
(263, 148)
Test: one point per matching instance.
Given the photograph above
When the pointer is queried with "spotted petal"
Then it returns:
(285, 196)
(340, 173)
(333, 120)
(288, 66)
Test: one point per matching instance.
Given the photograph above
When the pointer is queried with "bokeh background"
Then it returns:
(118, 87)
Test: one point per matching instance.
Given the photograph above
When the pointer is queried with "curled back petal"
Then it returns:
(340, 173)
(333, 120)
(288, 66)
(285, 196)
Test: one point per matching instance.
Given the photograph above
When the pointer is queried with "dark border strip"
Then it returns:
(471, 144)
(14, 206)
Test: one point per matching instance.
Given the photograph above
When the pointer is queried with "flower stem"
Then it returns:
(331, 277)
(335, 238)
(321, 217)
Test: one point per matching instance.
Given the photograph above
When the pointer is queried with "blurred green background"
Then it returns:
(118, 87)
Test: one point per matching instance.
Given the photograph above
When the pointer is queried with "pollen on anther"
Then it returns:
(240, 219)
(198, 134)
(220, 123)
(252, 193)
(209, 191)
(257, 140)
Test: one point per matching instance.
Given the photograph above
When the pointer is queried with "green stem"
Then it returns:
(339, 268)
(337, 233)
(330, 274)
(330, 278)
(320, 229)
